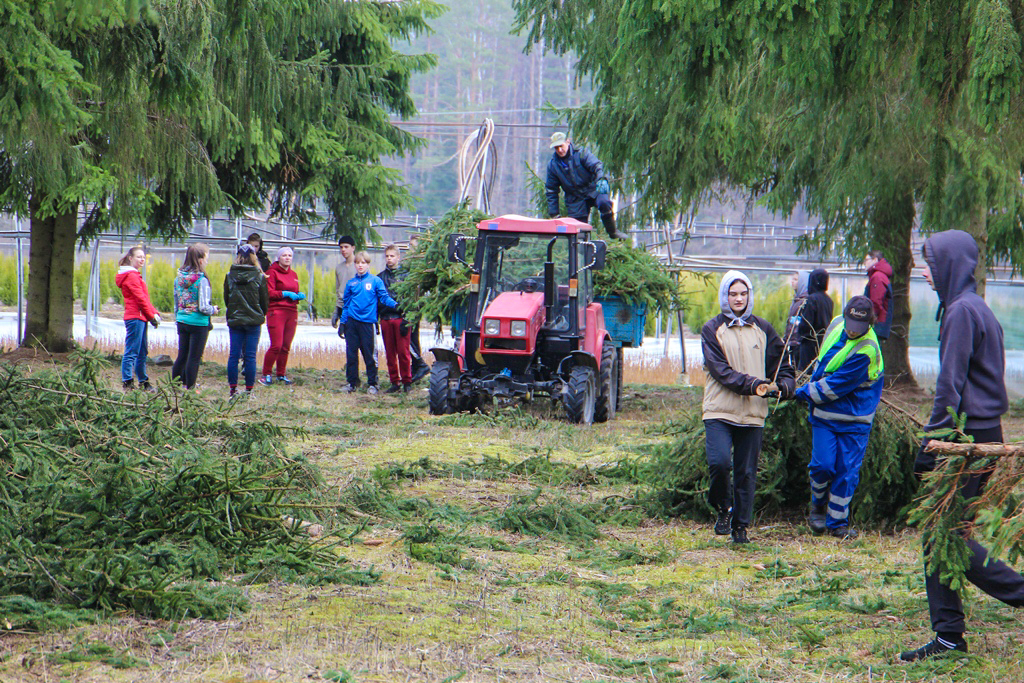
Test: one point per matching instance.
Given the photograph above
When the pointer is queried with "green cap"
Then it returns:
(557, 139)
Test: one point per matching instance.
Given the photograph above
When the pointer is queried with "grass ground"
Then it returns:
(463, 597)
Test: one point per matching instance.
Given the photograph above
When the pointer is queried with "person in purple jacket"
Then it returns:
(972, 361)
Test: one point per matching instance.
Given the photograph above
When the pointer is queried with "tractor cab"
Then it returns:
(530, 314)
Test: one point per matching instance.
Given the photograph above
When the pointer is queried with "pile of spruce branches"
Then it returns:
(884, 495)
(155, 503)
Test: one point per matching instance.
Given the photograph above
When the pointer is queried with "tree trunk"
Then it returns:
(978, 228)
(893, 223)
(50, 297)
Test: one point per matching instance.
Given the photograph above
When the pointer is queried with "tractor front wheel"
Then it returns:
(608, 400)
(437, 392)
(580, 396)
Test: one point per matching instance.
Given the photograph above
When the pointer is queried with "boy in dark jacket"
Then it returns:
(580, 175)
(741, 353)
(971, 366)
(815, 318)
(394, 328)
(363, 294)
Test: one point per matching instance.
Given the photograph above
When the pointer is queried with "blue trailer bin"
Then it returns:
(624, 321)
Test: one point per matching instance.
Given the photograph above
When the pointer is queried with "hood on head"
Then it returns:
(817, 281)
(881, 266)
(723, 297)
(802, 278)
(952, 256)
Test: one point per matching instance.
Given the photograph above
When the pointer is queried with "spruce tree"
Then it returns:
(151, 114)
(865, 111)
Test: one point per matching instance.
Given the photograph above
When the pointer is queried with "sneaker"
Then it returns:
(393, 389)
(128, 386)
(146, 386)
(283, 379)
(739, 536)
(420, 372)
(348, 389)
(933, 648)
(844, 533)
(724, 522)
(372, 390)
(266, 380)
(817, 519)
(232, 390)
(406, 388)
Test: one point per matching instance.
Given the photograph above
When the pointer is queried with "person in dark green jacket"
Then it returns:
(246, 301)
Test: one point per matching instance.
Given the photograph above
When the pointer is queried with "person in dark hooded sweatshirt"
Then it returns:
(814, 319)
(742, 356)
(970, 381)
(798, 281)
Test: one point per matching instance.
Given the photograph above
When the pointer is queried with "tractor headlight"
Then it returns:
(492, 327)
(518, 328)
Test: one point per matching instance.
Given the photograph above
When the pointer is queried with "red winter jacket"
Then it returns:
(136, 295)
(879, 277)
(281, 280)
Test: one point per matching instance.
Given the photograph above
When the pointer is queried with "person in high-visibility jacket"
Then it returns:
(843, 394)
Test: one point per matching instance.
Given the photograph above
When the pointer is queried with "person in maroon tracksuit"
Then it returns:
(282, 317)
(394, 328)
(879, 290)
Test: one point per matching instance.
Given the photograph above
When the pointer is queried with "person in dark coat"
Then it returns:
(972, 363)
(798, 281)
(879, 290)
(257, 243)
(815, 318)
(579, 174)
(246, 301)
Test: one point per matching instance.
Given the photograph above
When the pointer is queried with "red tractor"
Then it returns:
(532, 326)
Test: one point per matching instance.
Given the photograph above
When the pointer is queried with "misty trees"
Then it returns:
(152, 113)
(863, 110)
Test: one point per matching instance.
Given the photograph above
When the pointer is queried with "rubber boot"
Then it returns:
(609, 224)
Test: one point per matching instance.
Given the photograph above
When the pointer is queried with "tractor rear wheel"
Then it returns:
(608, 399)
(580, 396)
(437, 392)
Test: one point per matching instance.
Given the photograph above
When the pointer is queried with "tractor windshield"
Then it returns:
(515, 263)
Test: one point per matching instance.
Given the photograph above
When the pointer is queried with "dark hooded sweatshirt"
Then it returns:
(816, 316)
(971, 356)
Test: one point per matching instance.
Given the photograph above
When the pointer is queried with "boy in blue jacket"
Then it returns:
(843, 394)
(358, 316)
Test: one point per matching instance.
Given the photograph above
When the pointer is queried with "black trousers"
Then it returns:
(996, 578)
(733, 450)
(191, 344)
(359, 338)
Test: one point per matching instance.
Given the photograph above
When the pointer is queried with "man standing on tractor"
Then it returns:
(580, 175)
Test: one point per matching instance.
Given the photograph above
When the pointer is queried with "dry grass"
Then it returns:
(787, 608)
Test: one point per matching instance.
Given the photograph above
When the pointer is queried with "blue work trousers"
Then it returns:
(836, 458)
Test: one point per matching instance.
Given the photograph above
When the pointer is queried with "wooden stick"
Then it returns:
(976, 449)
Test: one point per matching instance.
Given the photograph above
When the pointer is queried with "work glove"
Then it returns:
(300, 297)
(155, 322)
(786, 390)
(335, 318)
(288, 295)
(802, 395)
(403, 329)
(602, 186)
(341, 329)
(376, 327)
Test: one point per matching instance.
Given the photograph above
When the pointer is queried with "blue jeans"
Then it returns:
(244, 341)
(134, 358)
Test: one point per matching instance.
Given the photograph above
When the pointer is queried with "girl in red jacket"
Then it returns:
(282, 317)
(138, 310)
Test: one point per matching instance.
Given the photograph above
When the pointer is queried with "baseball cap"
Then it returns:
(557, 139)
(858, 316)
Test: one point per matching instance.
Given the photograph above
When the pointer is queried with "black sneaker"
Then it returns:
(844, 533)
(146, 386)
(407, 387)
(739, 536)
(420, 372)
(393, 389)
(817, 519)
(724, 522)
(932, 649)
(129, 385)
